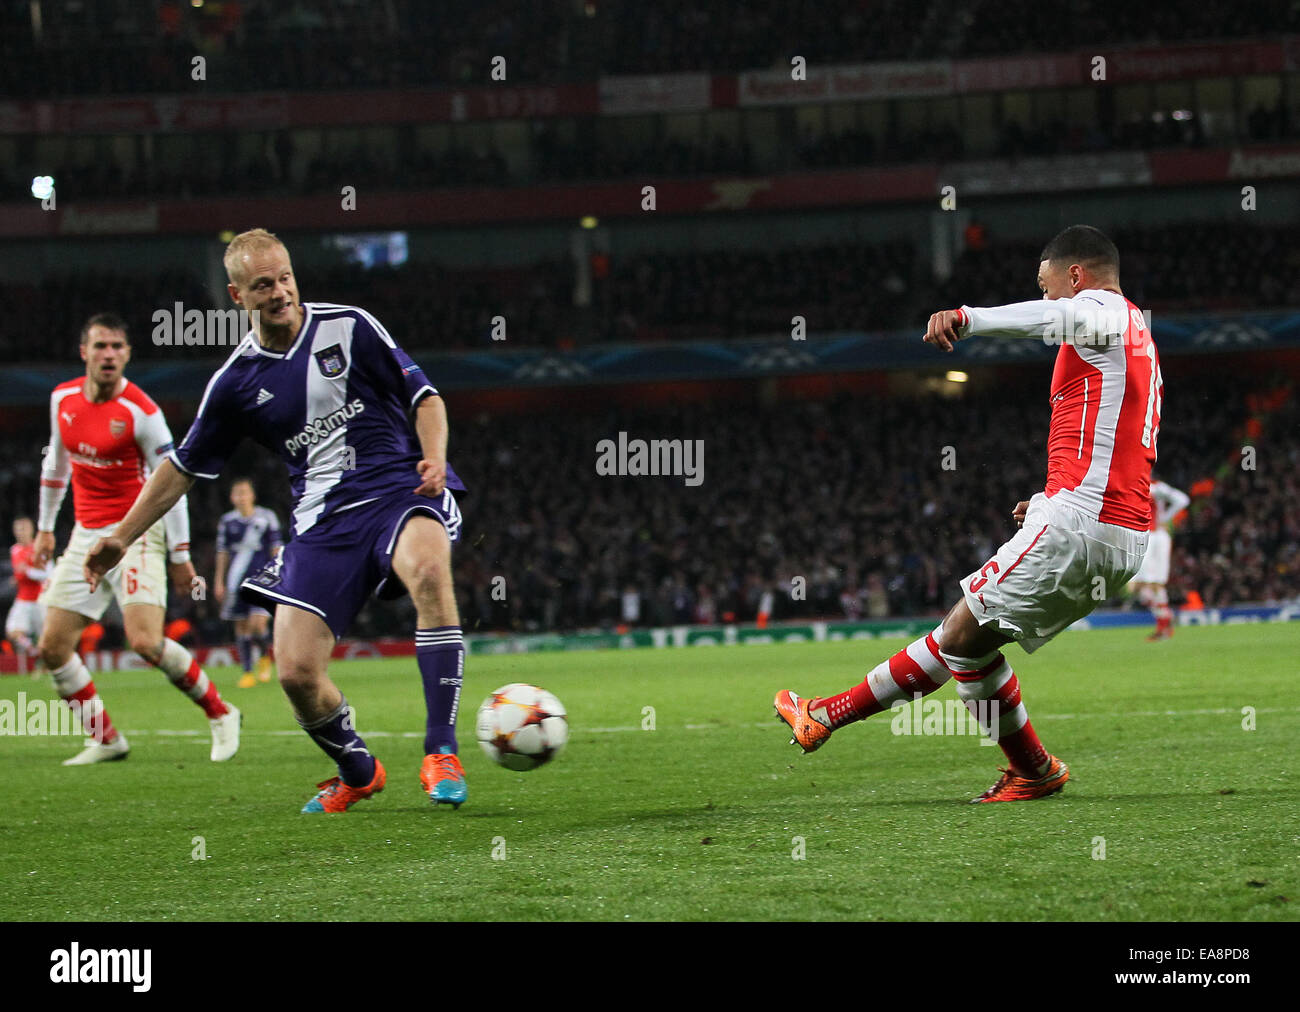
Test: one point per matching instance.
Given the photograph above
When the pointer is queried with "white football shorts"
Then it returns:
(25, 618)
(1057, 568)
(140, 578)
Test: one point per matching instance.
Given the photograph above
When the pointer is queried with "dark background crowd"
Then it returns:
(878, 503)
(279, 169)
(126, 46)
(664, 296)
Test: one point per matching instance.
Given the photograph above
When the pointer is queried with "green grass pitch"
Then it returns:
(710, 815)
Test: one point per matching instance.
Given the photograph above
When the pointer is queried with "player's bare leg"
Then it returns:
(143, 625)
(422, 559)
(303, 644)
(58, 650)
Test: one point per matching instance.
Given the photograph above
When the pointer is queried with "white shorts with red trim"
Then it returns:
(140, 578)
(1058, 568)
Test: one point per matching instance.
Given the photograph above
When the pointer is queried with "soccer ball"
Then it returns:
(521, 726)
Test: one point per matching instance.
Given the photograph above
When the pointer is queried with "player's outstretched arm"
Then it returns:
(1083, 318)
(431, 430)
(160, 493)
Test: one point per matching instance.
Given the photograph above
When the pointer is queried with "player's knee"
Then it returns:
(430, 583)
(296, 674)
(955, 641)
(53, 655)
(955, 636)
(146, 646)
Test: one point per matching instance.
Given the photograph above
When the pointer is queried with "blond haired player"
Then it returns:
(363, 435)
(1086, 531)
(107, 434)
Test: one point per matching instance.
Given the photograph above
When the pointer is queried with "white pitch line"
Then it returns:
(1215, 711)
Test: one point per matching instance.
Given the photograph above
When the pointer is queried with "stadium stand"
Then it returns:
(87, 49)
(683, 296)
(848, 493)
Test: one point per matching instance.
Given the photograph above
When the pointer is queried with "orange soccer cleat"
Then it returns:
(1013, 787)
(443, 779)
(336, 796)
(810, 734)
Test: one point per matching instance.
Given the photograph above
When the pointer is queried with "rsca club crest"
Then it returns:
(331, 361)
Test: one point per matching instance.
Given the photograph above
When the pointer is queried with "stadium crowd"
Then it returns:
(850, 494)
(1181, 267)
(117, 48)
(278, 168)
(681, 296)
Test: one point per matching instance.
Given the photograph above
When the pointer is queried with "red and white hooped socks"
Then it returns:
(989, 680)
(918, 668)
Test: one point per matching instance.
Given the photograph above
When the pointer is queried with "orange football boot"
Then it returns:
(336, 796)
(810, 734)
(443, 779)
(1013, 787)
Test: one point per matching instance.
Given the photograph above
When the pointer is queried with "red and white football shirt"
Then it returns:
(109, 449)
(1106, 399)
(27, 577)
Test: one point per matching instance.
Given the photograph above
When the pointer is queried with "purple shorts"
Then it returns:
(334, 568)
(236, 608)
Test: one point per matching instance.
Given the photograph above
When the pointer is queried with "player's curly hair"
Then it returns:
(246, 242)
(1083, 244)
